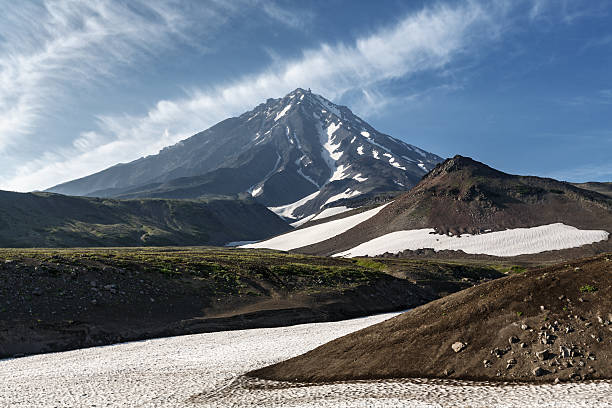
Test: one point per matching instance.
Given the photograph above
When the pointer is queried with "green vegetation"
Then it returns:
(510, 269)
(588, 289)
(53, 220)
(370, 264)
(527, 190)
(225, 271)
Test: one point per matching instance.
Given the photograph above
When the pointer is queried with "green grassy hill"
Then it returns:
(53, 220)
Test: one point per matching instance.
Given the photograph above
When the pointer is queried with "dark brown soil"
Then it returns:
(464, 196)
(540, 325)
(54, 300)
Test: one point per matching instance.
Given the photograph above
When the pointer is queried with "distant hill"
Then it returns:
(504, 214)
(600, 187)
(53, 220)
(294, 154)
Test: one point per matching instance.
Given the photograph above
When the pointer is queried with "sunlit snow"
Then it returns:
(282, 113)
(339, 174)
(510, 242)
(346, 194)
(316, 233)
(359, 178)
(329, 212)
(288, 209)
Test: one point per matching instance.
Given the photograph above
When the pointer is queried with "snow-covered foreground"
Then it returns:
(204, 370)
(316, 233)
(510, 242)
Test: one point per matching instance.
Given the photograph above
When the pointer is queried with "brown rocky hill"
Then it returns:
(543, 325)
(462, 195)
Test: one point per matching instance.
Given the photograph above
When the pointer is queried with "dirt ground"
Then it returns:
(543, 325)
(54, 300)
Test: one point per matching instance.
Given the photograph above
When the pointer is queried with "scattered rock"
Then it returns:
(510, 363)
(524, 326)
(538, 371)
(564, 352)
(486, 363)
(543, 355)
(513, 339)
(575, 376)
(448, 371)
(458, 346)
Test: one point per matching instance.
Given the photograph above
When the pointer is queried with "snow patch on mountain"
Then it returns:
(282, 113)
(348, 193)
(340, 173)
(316, 233)
(359, 178)
(288, 209)
(511, 242)
(330, 212)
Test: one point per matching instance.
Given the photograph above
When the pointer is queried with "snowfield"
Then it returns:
(288, 209)
(331, 211)
(204, 370)
(512, 242)
(316, 233)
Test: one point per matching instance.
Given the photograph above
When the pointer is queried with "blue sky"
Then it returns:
(523, 85)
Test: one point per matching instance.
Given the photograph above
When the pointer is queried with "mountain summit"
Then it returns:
(295, 154)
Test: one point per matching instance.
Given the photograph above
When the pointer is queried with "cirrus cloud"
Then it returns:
(424, 41)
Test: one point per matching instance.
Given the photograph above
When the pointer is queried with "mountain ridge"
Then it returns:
(463, 196)
(280, 152)
(54, 220)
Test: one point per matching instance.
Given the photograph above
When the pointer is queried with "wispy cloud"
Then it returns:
(601, 97)
(425, 41)
(47, 44)
(567, 11)
(295, 18)
(584, 173)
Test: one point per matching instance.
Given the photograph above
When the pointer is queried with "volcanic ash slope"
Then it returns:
(464, 205)
(542, 325)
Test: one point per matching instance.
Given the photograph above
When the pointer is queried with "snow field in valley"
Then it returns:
(205, 370)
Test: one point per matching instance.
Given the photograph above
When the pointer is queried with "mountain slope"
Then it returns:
(600, 187)
(537, 326)
(53, 220)
(281, 152)
(462, 196)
